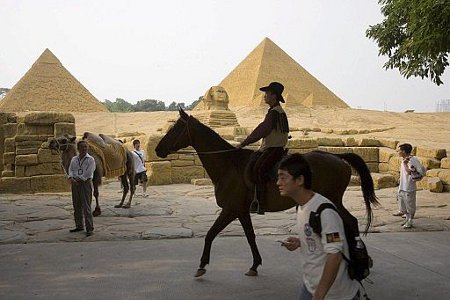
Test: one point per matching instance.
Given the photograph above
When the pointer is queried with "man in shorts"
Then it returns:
(139, 166)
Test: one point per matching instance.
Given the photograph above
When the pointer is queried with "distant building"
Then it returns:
(443, 105)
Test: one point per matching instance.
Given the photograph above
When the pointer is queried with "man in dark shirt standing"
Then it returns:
(274, 134)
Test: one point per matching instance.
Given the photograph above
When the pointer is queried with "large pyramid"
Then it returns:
(267, 63)
(48, 86)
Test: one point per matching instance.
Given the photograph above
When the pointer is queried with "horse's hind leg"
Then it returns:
(246, 223)
(224, 219)
(126, 188)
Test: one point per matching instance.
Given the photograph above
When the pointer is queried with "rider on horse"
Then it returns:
(274, 134)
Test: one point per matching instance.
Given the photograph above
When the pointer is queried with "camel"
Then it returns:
(226, 165)
(66, 146)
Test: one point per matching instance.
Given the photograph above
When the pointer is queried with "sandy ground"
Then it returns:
(420, 129)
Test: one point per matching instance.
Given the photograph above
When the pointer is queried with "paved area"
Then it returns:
(40, 259)
(406, 266)
(184, 211)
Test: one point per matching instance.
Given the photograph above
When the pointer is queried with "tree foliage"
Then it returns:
(415, 35)
(120, 105)
(150, 105)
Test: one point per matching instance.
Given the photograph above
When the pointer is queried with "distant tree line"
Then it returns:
(120, 105)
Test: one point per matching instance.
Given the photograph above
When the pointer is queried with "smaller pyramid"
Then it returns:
(48, 86)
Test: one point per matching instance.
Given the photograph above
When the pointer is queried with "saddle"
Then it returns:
(110, 151)
(272, 174)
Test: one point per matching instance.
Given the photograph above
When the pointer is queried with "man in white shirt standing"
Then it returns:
(139, 163)
(410, 171)
(81, 172)
(325, 272)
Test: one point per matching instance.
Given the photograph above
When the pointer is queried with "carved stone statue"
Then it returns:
(216, 98)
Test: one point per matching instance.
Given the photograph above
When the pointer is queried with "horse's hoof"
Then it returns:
(118, 206)
(252, 273)
(200, 272)
(97, 212)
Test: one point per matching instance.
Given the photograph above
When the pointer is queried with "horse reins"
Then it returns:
(186, 128)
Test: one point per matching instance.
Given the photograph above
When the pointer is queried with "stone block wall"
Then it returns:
(380, 156)
(28, 166)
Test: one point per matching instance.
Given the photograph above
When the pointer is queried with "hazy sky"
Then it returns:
(175, 50)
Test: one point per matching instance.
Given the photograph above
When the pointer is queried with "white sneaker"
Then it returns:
(144, 195)
(407, 225)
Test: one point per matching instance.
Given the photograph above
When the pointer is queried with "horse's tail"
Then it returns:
(367, 188)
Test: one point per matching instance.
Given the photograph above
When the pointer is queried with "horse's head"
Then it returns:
(177, 137)
(61, 143)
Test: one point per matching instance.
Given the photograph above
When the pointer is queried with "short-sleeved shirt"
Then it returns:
(407, 183)
(139, 161)
(314, 249)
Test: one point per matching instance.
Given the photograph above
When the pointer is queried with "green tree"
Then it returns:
(172, 106)
(415, 35)
(150, 105)
(119, 105)
(194, 104)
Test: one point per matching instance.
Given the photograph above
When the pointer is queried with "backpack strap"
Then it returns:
(316, 224)
(140, 157)
(314, 217)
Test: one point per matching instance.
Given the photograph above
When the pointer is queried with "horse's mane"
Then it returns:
(240, 156)
(207, 132)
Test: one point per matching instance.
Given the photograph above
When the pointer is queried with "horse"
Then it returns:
(226, 166)
(65, 145)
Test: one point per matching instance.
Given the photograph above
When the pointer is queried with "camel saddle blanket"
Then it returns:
(112, 153)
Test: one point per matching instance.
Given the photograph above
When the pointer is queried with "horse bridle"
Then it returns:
(186, 128)
(181, 134)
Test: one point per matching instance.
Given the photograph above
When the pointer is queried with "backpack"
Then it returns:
(418, 171)
(359, 261)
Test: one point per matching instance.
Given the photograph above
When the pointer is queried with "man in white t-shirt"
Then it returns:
(410, 171)
(325, 274)
(139, 166)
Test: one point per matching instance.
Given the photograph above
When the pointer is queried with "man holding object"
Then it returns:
(325, 274)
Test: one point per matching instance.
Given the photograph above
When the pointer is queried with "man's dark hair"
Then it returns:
(136, 142)
(296, 165)
(406, 147)
(81, 142)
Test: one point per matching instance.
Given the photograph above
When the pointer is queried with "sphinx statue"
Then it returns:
(213, 111)
(216, 98)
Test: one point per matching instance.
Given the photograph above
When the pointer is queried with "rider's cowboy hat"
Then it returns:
(276, 88)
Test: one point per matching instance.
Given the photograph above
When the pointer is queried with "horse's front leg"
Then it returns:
(97, 211)
(224, 219)
(246, 223)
